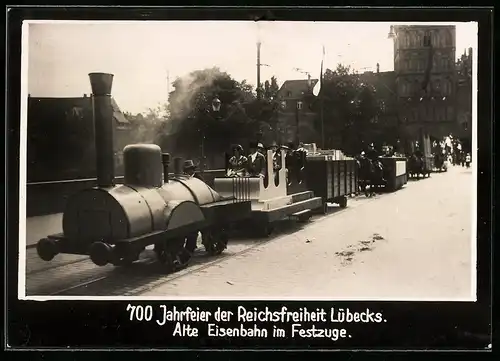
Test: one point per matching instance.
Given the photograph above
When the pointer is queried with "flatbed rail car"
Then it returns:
(394, 170)
(276, 196)
(114, 223)
(331, 179)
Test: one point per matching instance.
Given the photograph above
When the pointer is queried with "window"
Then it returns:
(427, 40)
(444, 64)
(447, 39)
(447, 87)
(299, 105)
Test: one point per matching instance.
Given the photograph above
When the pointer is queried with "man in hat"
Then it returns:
(237, 163)
(276, 156)
(256, 164)
(190, 169)
(302, 148)
(261, 149)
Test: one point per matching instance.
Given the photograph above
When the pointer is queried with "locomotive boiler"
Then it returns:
(115, 223)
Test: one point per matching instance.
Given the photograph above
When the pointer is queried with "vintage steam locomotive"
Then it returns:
(115, 223)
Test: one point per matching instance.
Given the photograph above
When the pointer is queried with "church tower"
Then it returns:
(424, 63)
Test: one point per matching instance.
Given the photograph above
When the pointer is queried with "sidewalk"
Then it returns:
(41, 226)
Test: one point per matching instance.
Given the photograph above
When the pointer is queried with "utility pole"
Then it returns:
(258, 70)
(259, 65)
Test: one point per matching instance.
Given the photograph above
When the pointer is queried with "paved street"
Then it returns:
(412, 244)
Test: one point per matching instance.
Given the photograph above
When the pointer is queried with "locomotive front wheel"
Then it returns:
(46, 249)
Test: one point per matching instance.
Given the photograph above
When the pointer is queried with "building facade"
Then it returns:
(424, 66)
(296, 118)
(60, 138)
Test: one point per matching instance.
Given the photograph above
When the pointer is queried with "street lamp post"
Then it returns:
(216, 104)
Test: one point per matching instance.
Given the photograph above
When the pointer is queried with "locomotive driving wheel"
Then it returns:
(215, 241)
(172, 253)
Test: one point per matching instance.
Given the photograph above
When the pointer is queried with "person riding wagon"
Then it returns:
(190, 169)
(256, 164)
(237, 163)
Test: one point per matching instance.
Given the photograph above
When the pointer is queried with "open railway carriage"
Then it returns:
(114, 223)
(331, 177)
(274, 197)
(394, 170)
(392, 177)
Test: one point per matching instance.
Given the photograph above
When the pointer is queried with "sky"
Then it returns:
(141, 54)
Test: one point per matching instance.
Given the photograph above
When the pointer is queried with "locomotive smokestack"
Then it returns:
(101, 84)
(165, 159)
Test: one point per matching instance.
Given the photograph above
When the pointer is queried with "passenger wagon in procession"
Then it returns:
(277, 194)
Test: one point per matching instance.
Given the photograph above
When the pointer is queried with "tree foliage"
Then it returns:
(193, 118)
(350, 110)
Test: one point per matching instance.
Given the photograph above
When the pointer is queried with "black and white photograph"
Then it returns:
(248, 160)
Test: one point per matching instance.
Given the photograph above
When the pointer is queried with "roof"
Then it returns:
(384, 82)
(76, 107)
(117, 113)
(422, 26)
(296, 88)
